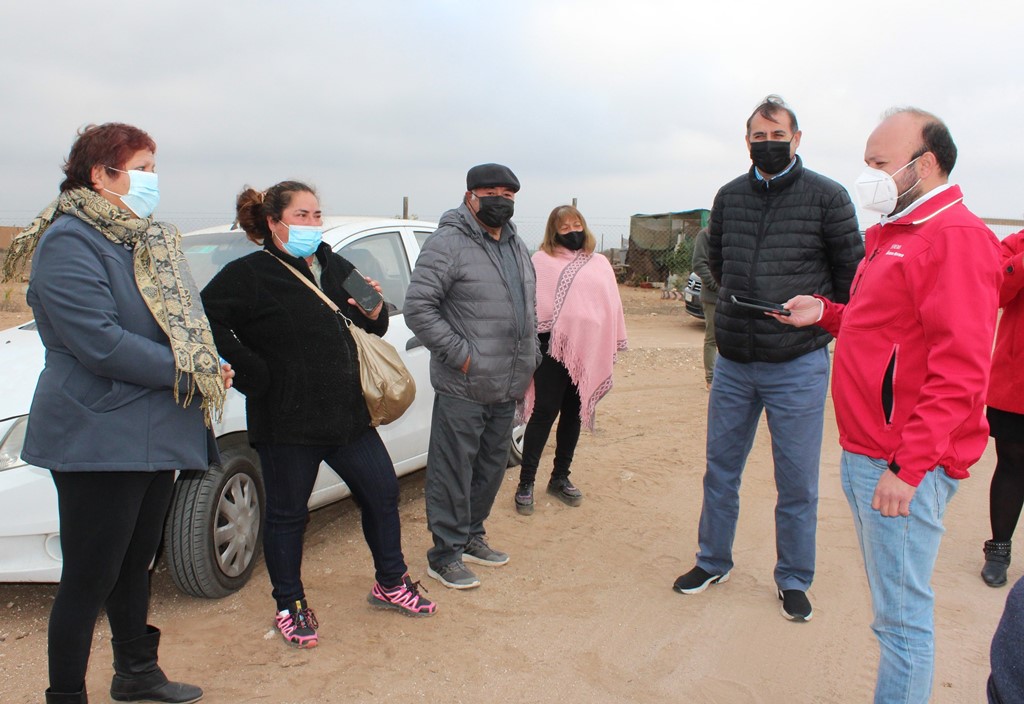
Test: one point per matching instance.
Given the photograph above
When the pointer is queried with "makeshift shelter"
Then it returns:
(651, 237)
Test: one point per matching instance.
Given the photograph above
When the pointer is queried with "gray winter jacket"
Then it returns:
(459, 305)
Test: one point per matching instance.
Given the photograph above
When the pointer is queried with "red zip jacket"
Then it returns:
(1006, 390)
(914, 342)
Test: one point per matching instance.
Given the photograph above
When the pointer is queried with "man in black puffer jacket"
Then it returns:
(775, 232)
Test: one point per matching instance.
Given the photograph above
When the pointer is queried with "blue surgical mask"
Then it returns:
(143, 192)
(303, 240)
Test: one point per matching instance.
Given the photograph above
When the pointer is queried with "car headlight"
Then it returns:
(12, 442)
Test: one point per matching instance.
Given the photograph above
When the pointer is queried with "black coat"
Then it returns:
(294, 359)
(773, 240)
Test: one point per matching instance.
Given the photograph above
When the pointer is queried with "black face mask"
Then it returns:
(571, 240)
(770, 157)
(495, 211)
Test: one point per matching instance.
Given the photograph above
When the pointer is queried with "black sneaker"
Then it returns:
(524, 498)
(563, 490)
(479, 552)
(795, 605)
(697, 580)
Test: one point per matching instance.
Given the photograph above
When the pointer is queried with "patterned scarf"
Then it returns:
(164, 280)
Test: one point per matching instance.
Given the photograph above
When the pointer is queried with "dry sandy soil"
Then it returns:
(584, 611)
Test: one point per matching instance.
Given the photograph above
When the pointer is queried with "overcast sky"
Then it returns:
(632, 107)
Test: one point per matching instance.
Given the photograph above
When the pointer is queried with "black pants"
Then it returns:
(1006, 493)
(289, 472)
(110, 528)
(556, 396)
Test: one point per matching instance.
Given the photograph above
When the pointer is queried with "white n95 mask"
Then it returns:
(877, 190)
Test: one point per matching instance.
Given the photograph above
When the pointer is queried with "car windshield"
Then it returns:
(207, 254)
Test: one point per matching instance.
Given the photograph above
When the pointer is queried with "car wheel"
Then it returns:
(214, 526)
(515, 455)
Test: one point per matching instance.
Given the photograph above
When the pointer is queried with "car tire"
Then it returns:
(214, 527)
(515, 455)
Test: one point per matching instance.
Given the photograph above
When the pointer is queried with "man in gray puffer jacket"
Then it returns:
(472, 302)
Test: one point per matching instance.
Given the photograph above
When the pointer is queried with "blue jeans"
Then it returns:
(793, 395)
(289, 472)
(899, 556)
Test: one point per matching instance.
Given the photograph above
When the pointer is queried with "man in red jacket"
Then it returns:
(911, 370)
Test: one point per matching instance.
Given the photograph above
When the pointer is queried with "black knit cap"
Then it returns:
(490, 176)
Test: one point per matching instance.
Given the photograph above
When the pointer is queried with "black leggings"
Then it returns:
(555, 396)
(110, 527)
(1006, 493)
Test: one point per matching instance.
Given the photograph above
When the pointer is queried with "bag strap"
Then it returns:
(312, 287)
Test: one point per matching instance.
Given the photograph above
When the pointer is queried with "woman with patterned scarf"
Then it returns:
(131, 385)
(581, 329)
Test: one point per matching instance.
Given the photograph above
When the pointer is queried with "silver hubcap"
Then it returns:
(518, 433)
(237, 526)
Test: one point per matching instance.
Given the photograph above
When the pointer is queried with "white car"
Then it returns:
(215, 523)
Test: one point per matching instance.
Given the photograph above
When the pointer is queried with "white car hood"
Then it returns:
(21, 361)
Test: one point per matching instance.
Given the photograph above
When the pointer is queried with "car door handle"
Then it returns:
(413, 343)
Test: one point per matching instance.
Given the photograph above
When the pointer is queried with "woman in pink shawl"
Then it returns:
(581, 330)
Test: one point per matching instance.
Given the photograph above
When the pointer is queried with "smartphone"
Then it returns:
(758, 304)
(365, 295)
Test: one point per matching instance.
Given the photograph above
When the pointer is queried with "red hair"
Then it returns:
(111, 145)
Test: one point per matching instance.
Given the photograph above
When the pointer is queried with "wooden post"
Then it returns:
(574, 202)
(405, 207)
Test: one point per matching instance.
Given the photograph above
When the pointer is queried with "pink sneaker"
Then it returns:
(405, 597)
(298, 625)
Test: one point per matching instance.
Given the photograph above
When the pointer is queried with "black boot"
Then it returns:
(997, 559)
(78, 697)
(137, 677)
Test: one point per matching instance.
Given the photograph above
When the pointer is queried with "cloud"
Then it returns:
(634, 107)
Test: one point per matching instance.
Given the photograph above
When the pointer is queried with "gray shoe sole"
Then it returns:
(524, 509)
(452, 585)
(567, 500)
(466, 557)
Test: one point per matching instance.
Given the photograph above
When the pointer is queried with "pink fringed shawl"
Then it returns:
(578, 303)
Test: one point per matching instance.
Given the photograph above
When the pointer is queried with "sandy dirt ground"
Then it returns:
(584, 611)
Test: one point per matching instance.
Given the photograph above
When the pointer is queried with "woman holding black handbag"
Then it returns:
(296, 362)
